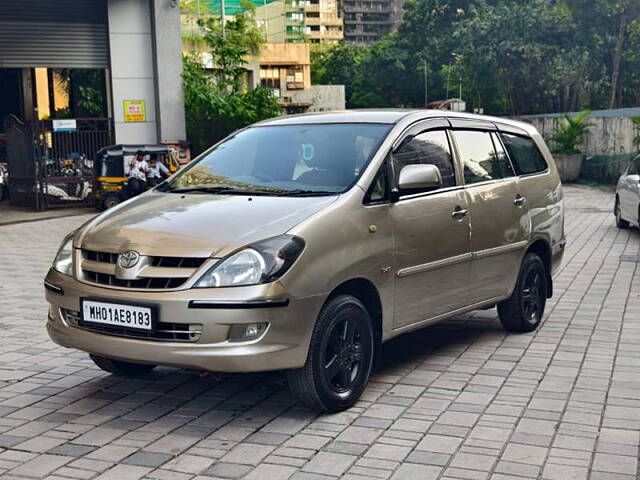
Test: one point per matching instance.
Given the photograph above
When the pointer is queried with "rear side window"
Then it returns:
(479, 157)
(524, 153)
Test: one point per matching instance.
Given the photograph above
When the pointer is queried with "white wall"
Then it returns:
(608, 135)
(168, 70)
(323, 98)
(132, 68)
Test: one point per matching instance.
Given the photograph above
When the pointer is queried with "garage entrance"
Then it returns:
(55, 105)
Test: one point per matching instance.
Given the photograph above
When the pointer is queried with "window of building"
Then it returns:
(524, 153)
(270, 78)
(430, 147)
(295, 16)
(295, 78)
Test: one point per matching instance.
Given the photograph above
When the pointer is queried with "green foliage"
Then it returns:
(512, 57)
(217, 101)
(636, 139)
(571, 132)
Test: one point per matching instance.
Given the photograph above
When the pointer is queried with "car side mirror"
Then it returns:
(419, 176)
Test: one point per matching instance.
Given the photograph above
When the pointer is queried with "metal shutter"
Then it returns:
(53, 33)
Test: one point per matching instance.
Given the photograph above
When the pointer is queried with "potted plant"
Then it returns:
(567, 140)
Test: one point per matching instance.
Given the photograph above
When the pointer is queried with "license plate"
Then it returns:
(116, 314)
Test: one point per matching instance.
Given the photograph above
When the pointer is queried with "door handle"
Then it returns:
(459, 213)
(520, 200)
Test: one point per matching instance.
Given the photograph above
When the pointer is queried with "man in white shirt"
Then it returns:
(157, 171)
(138, 169)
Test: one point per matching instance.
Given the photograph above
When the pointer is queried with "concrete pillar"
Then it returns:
(167, 42)
(132, 68)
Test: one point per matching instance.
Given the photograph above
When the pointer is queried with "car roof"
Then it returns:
(385, 116)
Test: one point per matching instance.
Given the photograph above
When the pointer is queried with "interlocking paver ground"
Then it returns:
(462, 399)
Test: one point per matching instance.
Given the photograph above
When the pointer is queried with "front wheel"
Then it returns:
(523, 311)
(340, 357)
(620, 222)
(120, 368)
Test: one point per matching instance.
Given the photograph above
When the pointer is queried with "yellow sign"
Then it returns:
(134, 111)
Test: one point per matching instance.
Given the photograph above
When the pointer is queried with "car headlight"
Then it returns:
(259, 263)
(63, 262)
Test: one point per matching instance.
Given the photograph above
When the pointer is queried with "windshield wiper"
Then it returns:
(221, 190)
(305, 193)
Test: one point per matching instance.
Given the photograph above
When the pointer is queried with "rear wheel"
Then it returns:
(340, 357)
(123, 369)
(620, 222)
(523, 311)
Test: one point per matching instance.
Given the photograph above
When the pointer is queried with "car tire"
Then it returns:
(620, 222)
(523, 311)
(340, 357)
(110, 201)
(120, 368)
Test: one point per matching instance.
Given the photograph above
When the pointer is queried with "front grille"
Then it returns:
(142, 283)
(102, 257)
(159, 272)
(170, 262)
(164, 331)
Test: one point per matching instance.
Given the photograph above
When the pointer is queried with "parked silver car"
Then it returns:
(627, 204)
(305, 242)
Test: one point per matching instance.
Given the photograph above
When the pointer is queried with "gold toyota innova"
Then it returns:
(305, 242)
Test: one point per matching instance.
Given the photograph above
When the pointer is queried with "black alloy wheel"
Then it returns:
(523, 310)
(340, 357)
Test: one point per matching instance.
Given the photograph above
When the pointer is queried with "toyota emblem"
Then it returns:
(128, 259)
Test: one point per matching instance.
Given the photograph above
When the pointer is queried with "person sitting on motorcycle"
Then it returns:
(157, 171)
(138, 169)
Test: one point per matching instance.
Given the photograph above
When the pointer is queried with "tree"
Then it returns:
(527, 45)
(338, 64)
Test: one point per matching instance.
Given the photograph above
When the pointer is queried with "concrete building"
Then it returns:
(111, 68)
(285, 69)
(298, 21)
(366, 21)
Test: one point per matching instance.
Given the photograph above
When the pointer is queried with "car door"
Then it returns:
(629, 192)
(498, 212)
(431, 232)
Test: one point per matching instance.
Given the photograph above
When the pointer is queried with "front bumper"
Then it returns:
(284, 345)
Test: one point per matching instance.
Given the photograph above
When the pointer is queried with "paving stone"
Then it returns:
(439, 444)
(121, 472)
(271, 472)
(72, 450)
(428, 458)
(412, 471)
(530, 454)
(328, 463)
(228, 470)
(147, 459)
(605, 462)
(188, 463)
(564, 472)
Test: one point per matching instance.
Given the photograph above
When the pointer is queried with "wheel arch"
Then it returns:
(365, 291)
(541, 248)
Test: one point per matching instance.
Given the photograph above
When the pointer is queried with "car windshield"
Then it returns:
(283, 160)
